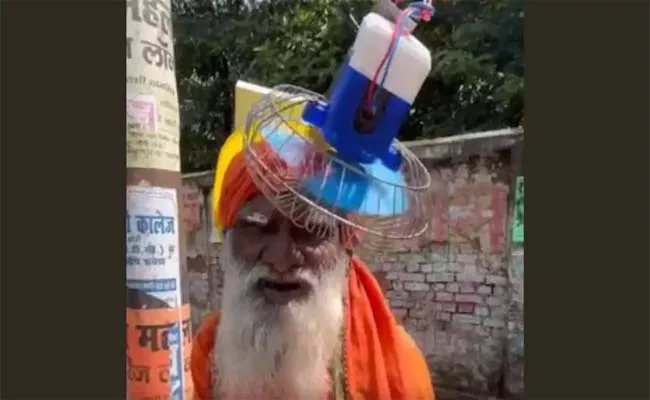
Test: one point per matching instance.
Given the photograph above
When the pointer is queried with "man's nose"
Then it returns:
(280, 252)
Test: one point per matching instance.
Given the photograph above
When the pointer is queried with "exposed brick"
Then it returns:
(482, 311)
(494, 323)
(396, 303)
(394, 267)
(468, 298)
(494, 301)
(397, 295)
(468, 328)
(419, 313)
(466, 319)
(444, 296)
(416, 286)
(399, 267)
(400, 312)
(499, 291)
(406, 256)
(443, 316)
(415, 257)
(413, 267)
(466, 258)
(440, 267)
(426, 268)
(465, 308)
(470, 269)
(455, 267)
(496, 280)
(411, 302)
(484, 289)
(418, 295)
(440, 277)
(452, 287)
(498, 311)
(391, 276)
(438, 287)
(516, 326)
(469, 277)
(437, 257)
(499, 332)
(481, 330)
(446, 306)
(467, 288)
(411, 277)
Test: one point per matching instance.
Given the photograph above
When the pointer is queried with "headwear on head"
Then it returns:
(234, 186)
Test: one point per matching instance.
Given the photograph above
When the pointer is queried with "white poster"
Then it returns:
(152, 114)
(152, 241)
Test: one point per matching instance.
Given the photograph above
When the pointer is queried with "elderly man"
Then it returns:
(301, 317)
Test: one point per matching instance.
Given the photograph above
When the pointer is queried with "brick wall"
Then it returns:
(460, 294)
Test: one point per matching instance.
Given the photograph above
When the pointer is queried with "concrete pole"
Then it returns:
(157, 314)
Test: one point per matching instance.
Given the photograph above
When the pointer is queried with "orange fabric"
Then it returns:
(200, 362)
(382, 360)
(238, 187)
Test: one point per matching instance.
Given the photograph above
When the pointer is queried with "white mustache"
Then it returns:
(299, 275)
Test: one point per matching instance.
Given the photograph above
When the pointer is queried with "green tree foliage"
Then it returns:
(476, 82)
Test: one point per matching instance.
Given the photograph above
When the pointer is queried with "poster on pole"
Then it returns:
(158, 351)
(152, 114)
(152, 242)
(155, 362)
(518, 217)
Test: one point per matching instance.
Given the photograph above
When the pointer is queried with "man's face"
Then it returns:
(282, 305)
(286, 262)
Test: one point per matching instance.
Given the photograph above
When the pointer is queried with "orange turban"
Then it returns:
(234, 186)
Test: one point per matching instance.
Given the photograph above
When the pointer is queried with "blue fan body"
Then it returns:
(376, 192)
(379, 190)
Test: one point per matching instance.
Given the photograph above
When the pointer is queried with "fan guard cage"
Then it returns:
(277, 113)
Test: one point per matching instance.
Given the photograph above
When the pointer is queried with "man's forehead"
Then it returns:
(259, 209)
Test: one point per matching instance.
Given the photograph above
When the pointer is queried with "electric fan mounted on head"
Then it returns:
(333, 166)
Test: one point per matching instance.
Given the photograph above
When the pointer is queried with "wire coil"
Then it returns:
(299, 153)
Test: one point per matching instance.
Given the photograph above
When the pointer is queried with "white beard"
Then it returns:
(265, 351)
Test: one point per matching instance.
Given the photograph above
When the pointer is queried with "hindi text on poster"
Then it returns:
(150, 362)
(152, 241)
(152, 127)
